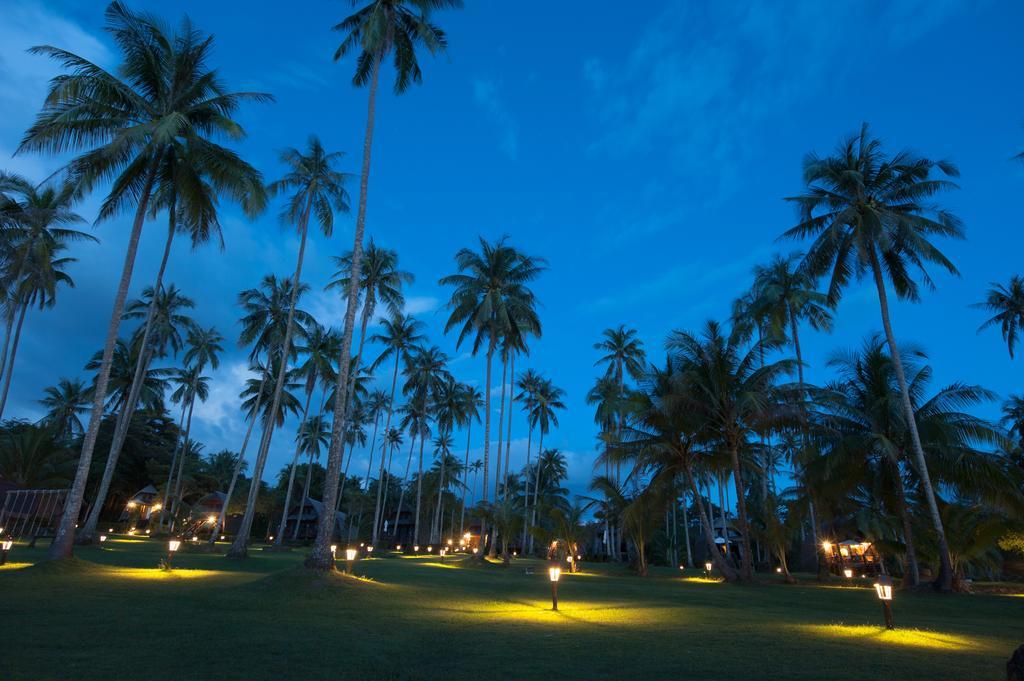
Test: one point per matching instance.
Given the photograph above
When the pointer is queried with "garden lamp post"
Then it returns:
(103, 538)
(883, 587)
(848, 573)
(707, 568)
(554, 574)
(172, 547)
(5, 546)
(350, 558)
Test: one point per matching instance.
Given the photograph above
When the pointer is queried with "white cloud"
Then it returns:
(485, 92)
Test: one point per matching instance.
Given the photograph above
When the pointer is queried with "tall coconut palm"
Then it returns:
(381, 28)
(64, 403)
(528, 383)
(316, 189)
(737, 396)
(415, 421)
(40, 271)
(122, 373)
(164, 311)
(490, 295)
(1006, 303)
(191, 385)
(312, 438)
(784, 297)
(623, 354)
(870, 213)
(163, 93)
(400, 335)
(547, 399)
(472, 400)
(36, 219)
(448, 405)
(265, 318)
(426, 375)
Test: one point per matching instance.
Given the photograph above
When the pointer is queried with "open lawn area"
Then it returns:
(109, 614)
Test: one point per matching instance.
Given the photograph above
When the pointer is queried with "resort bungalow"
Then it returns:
(211, 505)
(307, 517)
(141, 507)
(859, 557)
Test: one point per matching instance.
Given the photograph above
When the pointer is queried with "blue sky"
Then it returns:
(645, 155)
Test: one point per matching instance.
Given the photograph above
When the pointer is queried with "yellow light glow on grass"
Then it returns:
(913, 638)
(14, 566)
(703, 580)
(158, 574)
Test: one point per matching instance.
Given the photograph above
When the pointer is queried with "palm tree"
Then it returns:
(426, 376)
(782, 297)
(490, 297)
(31, 457)
(869, 212)
(316, 190)
(381, 28)
(313, 435)
(1006, 303)
(400, 335)
(472, 400)
(64, 403)
(528, 384)
(547, 398)
(191, 385)
(664, 438)
(122, 372)
(416, 421)
(37, 220)
(167, 95)
(165, 320)
(736, 395)
(41, 271)
(448, 405)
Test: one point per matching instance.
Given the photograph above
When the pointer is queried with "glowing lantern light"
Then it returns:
(707, 567)
(103, 538)
(848, 573)
(334, 551)
(172, 546)
(554, 574)
(5, 546)
(350, 557)
(883, 587)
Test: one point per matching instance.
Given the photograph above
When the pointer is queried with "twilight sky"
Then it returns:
(644, 155)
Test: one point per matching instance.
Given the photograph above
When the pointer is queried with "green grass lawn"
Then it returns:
(110, 615)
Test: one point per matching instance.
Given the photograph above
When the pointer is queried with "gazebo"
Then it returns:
(859, 557)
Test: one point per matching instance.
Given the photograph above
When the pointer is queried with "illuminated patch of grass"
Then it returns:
(880, 636)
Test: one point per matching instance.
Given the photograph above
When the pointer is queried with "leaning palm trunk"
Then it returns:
(419, 494)
(536, 486)
(382, 499)
(508, 433)
(437, 511)
(911, 576)
(14, 352)
(465, 480)
(239, 548)
(85, 535)
(166, 505)
(401, 496)
(219, 527)
(526, 491)
(686, 533)
(944, 582)
(747, 563)
(62, 545)
(320, 558)
(716, 557)
(377, 513)
(176, 501)
(279, 537)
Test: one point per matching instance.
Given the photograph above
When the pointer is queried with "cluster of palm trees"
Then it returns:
(871, 452)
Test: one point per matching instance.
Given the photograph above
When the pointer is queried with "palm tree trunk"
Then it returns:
(14, 352)
(320, 558)
(536, 485)
(912, 575)
(62, 545)
(8, 331)
(401, 496)
(686, 533)
(373, 446)
(279, 537)
(501, 422)
(181, 463)
(526, 493)
(944, 582)
(219, 527)
(465, 479)
(487, 444)
(716, 557)
(508, 434)
(85, 535)
(166, 505)
(419, 493)
(377, 513)
(239, 547)
(382, 497)
(344, 476)
(746, 564)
